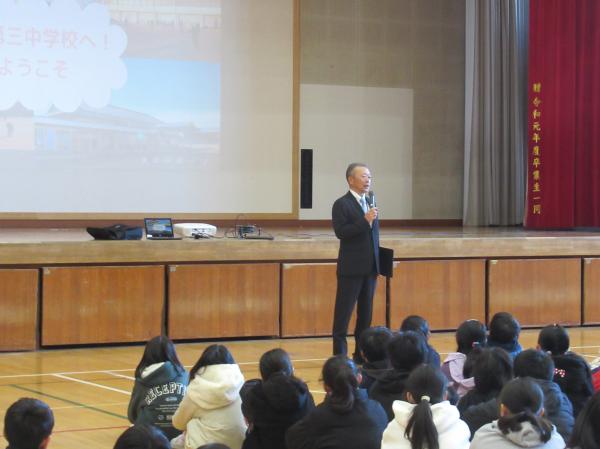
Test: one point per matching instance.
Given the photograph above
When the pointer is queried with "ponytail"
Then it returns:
(524, 400)
(421, 430)
(427, 385)
(513, 423)
(339, 375)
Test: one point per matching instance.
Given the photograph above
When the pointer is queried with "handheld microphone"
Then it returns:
(371, 199)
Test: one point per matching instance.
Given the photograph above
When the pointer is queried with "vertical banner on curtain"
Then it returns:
(551, 115)
(563, 188)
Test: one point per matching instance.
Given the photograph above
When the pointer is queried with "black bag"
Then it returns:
(116, 232)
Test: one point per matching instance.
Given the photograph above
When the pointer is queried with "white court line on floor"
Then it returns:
(66, 373)
(118, 375)
(85, 382)
(70, 373)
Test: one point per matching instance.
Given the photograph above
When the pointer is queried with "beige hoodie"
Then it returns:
(210, 411)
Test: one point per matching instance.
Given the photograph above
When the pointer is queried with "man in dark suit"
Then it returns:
(356, 225)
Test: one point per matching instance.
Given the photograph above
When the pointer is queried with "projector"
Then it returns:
(192, 229)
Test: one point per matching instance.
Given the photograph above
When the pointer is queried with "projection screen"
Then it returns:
(146, 107)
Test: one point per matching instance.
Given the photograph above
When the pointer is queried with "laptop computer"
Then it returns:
(159, 229)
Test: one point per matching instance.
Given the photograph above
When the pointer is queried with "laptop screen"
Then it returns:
(158, 227)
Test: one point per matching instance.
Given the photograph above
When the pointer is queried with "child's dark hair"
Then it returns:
(273, 362)
(504, 328)
(340, 377)
(213, 355)
(586, 433)
(142, 437)
(158, 349)
(524, 400)
(373, 343)
(407, 350)
(554, 339)
(427, 386)
(470, 334)
(27, 423)
(492, 369)
(415, 323)
(534, 363)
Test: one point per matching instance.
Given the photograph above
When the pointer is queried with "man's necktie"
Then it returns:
(363, 204)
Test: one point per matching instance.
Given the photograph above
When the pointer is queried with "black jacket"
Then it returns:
(557, 409)
(156, 397)
(271, 407)
(574, 377)
(474, 397)
(371, 371)
(389, 388)
(359, 243)
(323, 428)
(481, 414)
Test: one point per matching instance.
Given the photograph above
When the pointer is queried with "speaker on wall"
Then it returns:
(306, 178)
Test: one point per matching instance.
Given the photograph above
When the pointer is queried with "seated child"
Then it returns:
(211, 411)
(470, 335)
(347, 418)
(419, 324)
(521, 422)
(142, 436)
(426, 419)
(571, 371)
(492, 369)
(373, 346)
(586, 433)
(504, 333)
(159, 370)
(539, 366)
(407, 350)
(28, 423)
(274, 403)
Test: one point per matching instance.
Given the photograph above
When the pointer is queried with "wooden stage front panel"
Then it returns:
(445, 292)
(86, 305)
(591, 291)
(308, 299)
(536, 291)
(19, 300)
(112, 292)
(223, 300)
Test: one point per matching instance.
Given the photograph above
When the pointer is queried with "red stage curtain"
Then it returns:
(564, 114)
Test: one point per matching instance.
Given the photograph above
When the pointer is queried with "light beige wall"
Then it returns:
(416, 44)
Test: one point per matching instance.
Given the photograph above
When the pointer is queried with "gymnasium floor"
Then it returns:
(88, 389)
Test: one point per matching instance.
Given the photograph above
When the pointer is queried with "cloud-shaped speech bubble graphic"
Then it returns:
(58, 54)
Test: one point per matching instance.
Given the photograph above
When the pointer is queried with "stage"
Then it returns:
(59, 287)
(75, 246)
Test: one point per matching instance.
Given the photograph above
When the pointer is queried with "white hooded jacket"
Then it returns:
(491, 437)
(452, 432)
(210, 411)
